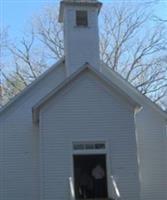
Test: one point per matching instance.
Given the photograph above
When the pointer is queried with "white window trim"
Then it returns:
(105, 151)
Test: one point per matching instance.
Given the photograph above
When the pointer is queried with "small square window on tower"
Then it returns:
(81, 18)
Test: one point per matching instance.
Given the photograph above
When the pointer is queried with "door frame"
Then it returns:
(105, 152)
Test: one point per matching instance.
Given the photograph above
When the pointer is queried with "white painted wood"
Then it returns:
(152, 143)
(16, 136)
(35, 163)
(19, 155)
(105, 151)
(83, 111)
(152, 154)
(81, 43)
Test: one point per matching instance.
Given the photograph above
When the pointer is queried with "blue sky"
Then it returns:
(15, 14)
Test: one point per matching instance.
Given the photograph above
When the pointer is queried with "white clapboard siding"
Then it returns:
(19, 144)
(152, 154)
(152, 143)
(18, 159)
(87, 110)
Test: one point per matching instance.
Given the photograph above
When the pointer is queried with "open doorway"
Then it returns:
(90, 176)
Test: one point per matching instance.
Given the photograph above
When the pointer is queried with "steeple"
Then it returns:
(81, 34)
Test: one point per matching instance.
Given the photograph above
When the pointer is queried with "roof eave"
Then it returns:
(136, 93)
(36, 108)
(24, 91)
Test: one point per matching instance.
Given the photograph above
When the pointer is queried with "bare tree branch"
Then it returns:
(130, 44)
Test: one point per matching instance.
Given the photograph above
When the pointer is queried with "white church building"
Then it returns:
(80, 131)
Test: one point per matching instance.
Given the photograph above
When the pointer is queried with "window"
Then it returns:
(88, 145)
(81, 18)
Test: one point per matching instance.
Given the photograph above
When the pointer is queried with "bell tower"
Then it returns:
(81, 34)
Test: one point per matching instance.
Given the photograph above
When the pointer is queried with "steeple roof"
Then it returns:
(96, 3)
(81, 1)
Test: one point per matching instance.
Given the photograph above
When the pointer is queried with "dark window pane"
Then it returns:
(78, 146)
(100, 146)
(81, 18)
(89, 146)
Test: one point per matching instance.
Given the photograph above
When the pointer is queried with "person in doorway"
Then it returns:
(98, 175)
(85, 185)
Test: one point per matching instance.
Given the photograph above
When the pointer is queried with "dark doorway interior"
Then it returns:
(90, 176)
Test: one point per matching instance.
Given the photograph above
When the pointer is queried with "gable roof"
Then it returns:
(37, 107)
(113, 76)
(131, 90)
(29, 87)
